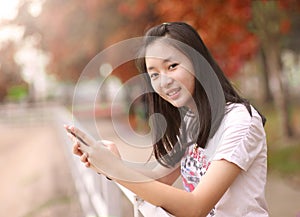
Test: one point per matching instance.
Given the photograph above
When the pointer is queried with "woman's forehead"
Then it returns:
(162, 50)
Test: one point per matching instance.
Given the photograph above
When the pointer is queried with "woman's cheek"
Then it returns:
(155, 86)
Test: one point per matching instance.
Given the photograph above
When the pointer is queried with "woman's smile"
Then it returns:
(173, 93)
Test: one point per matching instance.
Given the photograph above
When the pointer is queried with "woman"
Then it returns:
(230, 180)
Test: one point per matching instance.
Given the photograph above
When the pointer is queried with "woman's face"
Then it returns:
(171, 74)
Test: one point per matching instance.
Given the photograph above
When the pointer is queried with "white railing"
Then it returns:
(99, 196)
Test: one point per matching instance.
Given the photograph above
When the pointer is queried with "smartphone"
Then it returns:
(78, 137)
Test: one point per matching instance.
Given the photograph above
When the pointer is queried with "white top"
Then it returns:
(241, 140)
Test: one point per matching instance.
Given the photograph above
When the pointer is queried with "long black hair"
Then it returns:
(170, 140)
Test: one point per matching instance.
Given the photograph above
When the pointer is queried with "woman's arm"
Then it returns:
(218, 178)
(171, 177)
(213, 185)
(220, 175)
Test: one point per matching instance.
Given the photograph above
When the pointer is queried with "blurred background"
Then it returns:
(46, 44)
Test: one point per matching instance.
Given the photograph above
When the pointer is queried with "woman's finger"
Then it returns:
(83, 158)
(87, 164)
(76, 149)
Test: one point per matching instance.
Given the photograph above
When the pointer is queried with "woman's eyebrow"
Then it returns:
(164, 61)
(150, 68)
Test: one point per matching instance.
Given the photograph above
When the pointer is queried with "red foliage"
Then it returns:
(74, 31)
(133, 9)
(223, 25)
(285, 26)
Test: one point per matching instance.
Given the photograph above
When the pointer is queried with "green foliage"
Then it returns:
(17, 93)
(286, 160)
(283, 155)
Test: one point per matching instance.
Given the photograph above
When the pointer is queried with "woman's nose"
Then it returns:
(165, 80)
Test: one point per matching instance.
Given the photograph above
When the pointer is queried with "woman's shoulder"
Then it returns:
(239, 111)
(235, 107)
(237, 115)
(241, 136)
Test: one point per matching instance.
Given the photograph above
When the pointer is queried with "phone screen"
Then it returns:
(79, 138)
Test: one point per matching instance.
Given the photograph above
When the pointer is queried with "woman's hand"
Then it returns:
(104, 157)
(103, 148)
(84, 156)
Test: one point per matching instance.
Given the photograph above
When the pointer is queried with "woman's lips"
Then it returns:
(173, 93)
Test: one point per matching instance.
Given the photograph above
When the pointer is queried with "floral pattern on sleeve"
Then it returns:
(193, 167)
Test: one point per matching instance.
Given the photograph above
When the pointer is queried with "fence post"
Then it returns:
(112, 195)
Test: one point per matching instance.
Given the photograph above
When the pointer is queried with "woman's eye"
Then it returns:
(172, 66)
(153, 75)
